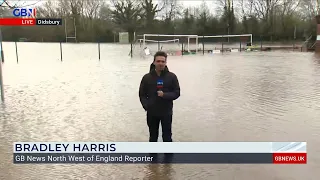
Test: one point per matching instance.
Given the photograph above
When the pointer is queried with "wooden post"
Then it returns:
(260, 42)
(158, 44)
(317, 45)
(1, 81)
(17, 52)
(131, 50)
(182, 49)
(202, 44)
(61, 51)
(222, 45)
(99, 50)
(2, 54)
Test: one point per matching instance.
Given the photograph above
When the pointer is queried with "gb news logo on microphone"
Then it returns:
(159, 84)
(29, 15)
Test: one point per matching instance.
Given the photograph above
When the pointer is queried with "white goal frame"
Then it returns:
(164, 41)
(236, 35)
(172, 35)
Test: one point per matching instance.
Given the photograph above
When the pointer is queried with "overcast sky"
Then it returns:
(195, 3)
(211, 4)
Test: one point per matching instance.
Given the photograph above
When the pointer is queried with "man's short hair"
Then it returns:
(160, 53)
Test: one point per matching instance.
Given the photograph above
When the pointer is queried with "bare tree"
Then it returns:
(286, 12)
(49, 9)
(309, 9)
(264, 8)
(17, 3)
(246, 8)
(265, 11)
(288, 6)
(171, 9)
(220, 7)
(170, 12)
(72, 8)
(91, 8)
(149, 13)
(203, 18)
(105, 13)
(127, 14)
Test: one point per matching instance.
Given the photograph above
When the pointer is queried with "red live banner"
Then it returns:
(30, 21)
(289, 158)
(17, 21)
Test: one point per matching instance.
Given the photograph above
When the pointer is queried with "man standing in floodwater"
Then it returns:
(158, 89)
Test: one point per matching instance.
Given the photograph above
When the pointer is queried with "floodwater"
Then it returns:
(248, 96)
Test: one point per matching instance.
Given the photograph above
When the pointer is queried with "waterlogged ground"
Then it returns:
(269, 96)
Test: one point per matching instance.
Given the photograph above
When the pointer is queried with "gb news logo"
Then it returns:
(24, 12)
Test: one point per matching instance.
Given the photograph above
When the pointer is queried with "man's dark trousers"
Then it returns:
(154, 121)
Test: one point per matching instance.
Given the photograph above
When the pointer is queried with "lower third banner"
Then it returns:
(146, 158)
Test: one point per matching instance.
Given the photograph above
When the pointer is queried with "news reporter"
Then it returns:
(158, 89)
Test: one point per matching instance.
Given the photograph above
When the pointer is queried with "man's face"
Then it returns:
(160, 62)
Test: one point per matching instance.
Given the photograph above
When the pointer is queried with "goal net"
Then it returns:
(225, 43)
(172, 45)
(148, 44)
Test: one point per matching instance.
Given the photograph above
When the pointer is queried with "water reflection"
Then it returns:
(163, 170)
(316, 59)
(159, 172)
(269, 96)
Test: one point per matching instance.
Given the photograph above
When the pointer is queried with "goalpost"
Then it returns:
(160, 43)
(226, 41)
(145, 36)
(155, 41)
(189, 44)
(151, 45)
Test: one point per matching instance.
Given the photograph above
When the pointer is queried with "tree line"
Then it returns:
(101, 21)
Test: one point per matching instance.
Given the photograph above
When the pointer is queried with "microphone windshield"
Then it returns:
(160, 84)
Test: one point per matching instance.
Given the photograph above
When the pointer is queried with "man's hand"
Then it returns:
(160, 93)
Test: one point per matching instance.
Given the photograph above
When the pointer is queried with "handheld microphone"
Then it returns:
(160, 84)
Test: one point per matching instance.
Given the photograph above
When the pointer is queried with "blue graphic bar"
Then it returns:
(143, 158)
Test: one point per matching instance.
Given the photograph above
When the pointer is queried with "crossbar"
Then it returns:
(232, 35)
(171, 35)
(164, 41)
(236, 35)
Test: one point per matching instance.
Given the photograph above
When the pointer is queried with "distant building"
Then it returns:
(23, 39)
(124, 37)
